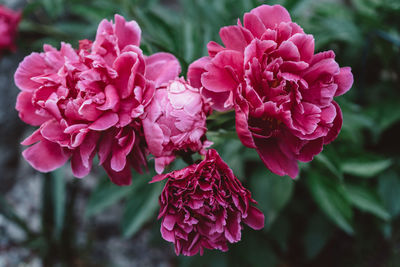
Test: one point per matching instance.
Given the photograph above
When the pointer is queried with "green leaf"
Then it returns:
(366, 169)
(272, 192)
(324, 160)
(140, 207)
(54, 8)
(253, 250)
(211, 258)
(385, 115)
(59, 198)
(317, 234)
(330, 196)
(104, 196)
(367, 200)
(389, 191)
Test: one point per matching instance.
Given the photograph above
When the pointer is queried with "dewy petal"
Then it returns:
(45, 156)
(162, 67)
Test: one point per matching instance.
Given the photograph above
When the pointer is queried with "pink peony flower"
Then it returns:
(9, 20)
(89, 101)
(281, 91)
(175, 122)
(203, 205)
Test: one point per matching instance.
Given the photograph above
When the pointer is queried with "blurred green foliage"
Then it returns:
(344, 208)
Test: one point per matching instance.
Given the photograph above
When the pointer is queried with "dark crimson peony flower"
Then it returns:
(203, 205)
(175, 122)
(9, 20)
(281, 91)
(90, 101)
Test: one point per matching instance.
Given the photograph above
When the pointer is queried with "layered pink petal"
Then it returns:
(271, 16)
(128, 33)
(52, 156)
(162, 67)
(27, 111)
(277, 161)
(204, 206)
(344, 80)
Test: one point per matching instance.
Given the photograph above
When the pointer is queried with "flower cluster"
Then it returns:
(9, 20)
(281, 91)
(108, 99)
(203, 205)
(89, 101)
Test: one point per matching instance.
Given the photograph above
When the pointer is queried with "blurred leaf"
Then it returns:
(366, 200)
(336, 29)
(253, 250)
(389, 191)
(280, 231)
(92, 13)
(272, 192)
(54, 8)
(330, 196)
(105, 194)
(317, 234)
(324, 160)
(385, 115)
(366, 169)
(232, 153)
(140, 207)
(59, 200)
(210, 258)
(354, 121)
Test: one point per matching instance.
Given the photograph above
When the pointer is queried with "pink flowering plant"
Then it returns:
(9, 20)
(213, 135)
(281, 91)
(107, 98)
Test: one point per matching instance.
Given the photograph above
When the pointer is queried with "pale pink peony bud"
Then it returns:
(175, 122)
